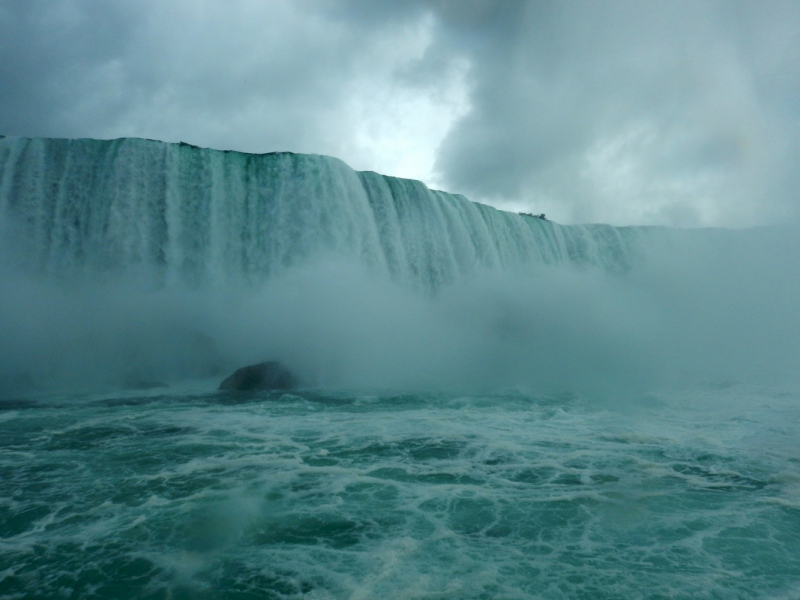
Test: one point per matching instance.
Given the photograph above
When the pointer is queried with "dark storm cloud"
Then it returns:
(682, 111)
(677, 112)
(52, 56)
(251, 75)
(626, 111)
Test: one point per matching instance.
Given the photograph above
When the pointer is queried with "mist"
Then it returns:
(130, 263)
(696, 307)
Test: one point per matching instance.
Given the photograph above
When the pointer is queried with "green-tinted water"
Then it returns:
(198, 494)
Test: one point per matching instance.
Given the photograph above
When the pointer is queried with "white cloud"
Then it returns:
(397, 127)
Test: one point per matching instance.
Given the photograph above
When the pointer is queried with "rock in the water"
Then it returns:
(270, 375)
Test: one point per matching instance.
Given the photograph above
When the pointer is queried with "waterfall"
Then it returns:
(179, 214)
(131, 258)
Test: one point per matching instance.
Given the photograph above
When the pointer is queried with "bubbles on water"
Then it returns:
(515, 494)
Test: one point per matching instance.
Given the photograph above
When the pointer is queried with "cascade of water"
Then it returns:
(177, 213)
(175, 219)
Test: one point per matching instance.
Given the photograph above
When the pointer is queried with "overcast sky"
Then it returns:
(625, 112)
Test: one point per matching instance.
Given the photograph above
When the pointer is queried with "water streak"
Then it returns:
(175, 213)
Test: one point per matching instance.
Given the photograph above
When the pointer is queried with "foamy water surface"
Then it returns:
(198, 494)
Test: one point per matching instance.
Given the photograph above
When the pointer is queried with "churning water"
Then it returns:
(691, 494)
(494, 406)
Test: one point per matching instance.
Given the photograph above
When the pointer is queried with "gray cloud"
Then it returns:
(250, 75)
(52, 55)
(674, 112)
(626, 112)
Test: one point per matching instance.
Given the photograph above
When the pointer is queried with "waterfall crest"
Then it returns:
(176, 213)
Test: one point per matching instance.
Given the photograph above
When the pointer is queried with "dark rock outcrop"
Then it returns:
(270, 375)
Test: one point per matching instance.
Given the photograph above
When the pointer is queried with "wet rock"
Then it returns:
(270, 375)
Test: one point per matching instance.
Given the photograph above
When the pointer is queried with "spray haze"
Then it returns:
(136, 261)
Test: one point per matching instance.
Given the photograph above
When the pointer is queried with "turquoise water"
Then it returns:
(191, 493)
